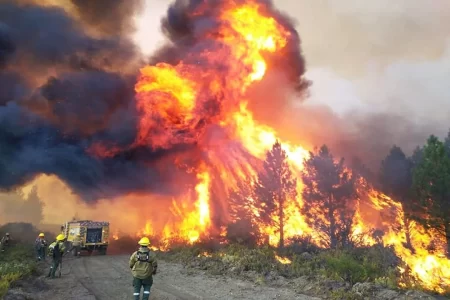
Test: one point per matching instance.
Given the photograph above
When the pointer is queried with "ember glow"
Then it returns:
(283, 260)
(201, 104)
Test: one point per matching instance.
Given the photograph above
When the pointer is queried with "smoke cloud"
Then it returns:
(70, 72)
(63, 90)
(111, 17)
(379, 74)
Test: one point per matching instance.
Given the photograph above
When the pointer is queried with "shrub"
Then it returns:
(362, 264)
(243, 232)
(341, 265)
(23, 232)
(16, 262)
(344, 295)
(260, 260)
(300, 244)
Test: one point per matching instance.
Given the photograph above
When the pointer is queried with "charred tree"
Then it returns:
(329, 196)
(396, 182)
(275, 186)
(431, 185)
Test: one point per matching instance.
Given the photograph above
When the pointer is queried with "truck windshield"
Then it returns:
(94, 235)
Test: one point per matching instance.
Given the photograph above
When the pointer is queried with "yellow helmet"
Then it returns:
(144, 241)
(41, 234)
(60, 237)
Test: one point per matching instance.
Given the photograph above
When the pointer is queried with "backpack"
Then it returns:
(143, 256)
(54, 250)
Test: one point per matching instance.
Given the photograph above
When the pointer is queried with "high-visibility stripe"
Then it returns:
(146, 292)
(135, 294)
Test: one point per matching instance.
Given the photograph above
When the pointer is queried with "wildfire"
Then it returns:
(204, 254)
(180, 103)
(283, 260)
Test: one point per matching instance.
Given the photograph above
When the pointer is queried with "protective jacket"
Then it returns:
(40, 243)
(143, 263)
(56, 249)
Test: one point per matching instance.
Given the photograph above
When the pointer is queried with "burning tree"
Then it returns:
(243, 229)
(431, 184)
(329, 196)
(241, 201)
(275, 186)
(396, 181)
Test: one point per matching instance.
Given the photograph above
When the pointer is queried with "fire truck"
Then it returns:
(94, 235)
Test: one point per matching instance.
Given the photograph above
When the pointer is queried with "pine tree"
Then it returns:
(396, 182)
(243, 228)
(241, 201)
(431, 185)
(329, 197)
(275, 186)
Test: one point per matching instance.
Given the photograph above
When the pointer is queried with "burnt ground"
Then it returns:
(108, 277)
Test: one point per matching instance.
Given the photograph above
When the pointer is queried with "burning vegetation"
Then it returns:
(199, 147)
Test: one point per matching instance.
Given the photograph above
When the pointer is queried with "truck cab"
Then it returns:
(94, 234)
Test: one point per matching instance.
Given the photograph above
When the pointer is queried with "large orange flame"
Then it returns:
(174, 103)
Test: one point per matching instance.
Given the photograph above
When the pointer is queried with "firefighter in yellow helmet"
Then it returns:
(56, 251)
(143, 266)
(40, 244)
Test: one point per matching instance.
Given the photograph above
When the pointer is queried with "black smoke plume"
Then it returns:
(188, 32)
(62, 90)
(67, 81)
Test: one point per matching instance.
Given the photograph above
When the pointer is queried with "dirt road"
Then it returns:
(108, 277)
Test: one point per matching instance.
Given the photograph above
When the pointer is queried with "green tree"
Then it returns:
(431, 184)
(447, 143)
(329, 197)
(274, 187)
(396, 182)
(417, 155)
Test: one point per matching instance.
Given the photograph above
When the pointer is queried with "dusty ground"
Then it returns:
(108, 277)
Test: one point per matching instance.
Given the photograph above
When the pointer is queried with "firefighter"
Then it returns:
(143, 266)
(56, 251)
(40, 245)
(76, 245)
(5, 241)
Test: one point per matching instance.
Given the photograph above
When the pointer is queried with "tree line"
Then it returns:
(420, 182)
